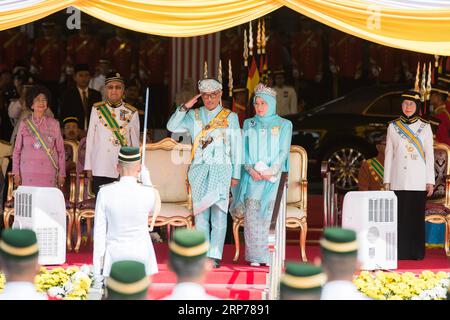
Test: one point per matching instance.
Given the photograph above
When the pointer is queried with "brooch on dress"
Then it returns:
(252, 123)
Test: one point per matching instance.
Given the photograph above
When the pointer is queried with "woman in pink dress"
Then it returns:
(32, 164)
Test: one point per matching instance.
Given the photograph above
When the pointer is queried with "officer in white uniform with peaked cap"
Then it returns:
(113, 124)
(121, 217)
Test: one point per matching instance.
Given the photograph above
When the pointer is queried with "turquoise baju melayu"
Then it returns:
(267, 139)
(211, 171)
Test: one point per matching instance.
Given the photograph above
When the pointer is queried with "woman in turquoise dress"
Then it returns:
(267, 142)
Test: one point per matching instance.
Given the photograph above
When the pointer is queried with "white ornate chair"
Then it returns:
(168, 163)
(438, 205)
(296, 208)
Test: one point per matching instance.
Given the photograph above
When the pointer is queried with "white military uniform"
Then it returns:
(286, 100)
(341, 290)
(21, 290)
(404, 168)
(121, 225)
(189, 291)
(102, 146)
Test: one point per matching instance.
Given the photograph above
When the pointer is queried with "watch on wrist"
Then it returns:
(183, 108)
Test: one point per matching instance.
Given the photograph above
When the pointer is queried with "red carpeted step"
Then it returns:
(242, 273)
(227, 274)
(236, 292)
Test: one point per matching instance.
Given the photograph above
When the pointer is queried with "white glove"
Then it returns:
(145, 176)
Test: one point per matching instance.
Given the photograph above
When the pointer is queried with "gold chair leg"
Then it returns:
(303, 231)
(78, 229)
(69, 230)
(447, 236)
(84, 240)
(7, 214)
(236, 239)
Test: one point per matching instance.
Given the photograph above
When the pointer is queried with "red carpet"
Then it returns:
(243, 282)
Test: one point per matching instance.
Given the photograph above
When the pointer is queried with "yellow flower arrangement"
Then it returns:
(72, 283)
(406, 286)
(2, 281)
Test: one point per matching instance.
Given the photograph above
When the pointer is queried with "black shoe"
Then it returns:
(216, 263)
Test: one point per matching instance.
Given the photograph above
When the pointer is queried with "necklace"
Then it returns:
(37, 123)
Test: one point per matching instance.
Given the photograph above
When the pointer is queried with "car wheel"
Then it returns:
(344, 163)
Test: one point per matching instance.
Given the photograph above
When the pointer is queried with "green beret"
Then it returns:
(188, 243)
(127, 280)
(19, 244)
(339, 240)
(303, 277)
(129, 154)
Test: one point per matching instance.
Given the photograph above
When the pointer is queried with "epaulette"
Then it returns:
(99, 104)
(130, 107)
(424, 120)
(434, 123)
(108, 184)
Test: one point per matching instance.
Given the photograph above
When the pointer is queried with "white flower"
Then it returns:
(87, 269)
(68, 286)
(79, 275)
(424, 295)
(56, 292)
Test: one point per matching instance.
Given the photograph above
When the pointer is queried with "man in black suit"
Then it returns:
(77, 102)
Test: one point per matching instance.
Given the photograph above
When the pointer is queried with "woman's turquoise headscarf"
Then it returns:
(271, 101)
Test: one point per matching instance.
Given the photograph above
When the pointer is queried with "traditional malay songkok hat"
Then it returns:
(129, 154)
(302, 277)
(188, 244)
(339, 241)
(19, 244)
(127, 280)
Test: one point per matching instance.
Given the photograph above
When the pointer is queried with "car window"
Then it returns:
(386, 105)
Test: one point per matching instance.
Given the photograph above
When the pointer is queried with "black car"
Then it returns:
(342, 131)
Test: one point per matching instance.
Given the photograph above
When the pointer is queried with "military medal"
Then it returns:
(123, 114)
(37, 145)
(414, 156)
(409, 148)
